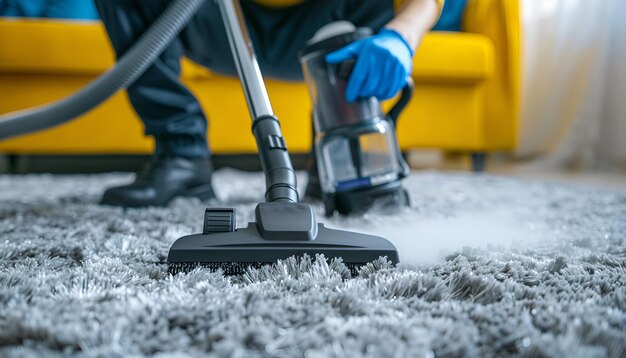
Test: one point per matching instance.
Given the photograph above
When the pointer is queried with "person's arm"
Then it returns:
(385, 60)
(415, 19)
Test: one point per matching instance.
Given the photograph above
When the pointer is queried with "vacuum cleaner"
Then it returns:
(284, 227)
(357, 154)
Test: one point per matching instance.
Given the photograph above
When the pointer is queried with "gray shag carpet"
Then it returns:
(491, 267)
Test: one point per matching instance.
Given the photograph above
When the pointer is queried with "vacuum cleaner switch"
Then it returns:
(218, 220)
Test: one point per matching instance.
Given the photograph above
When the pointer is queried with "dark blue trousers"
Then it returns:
(167, 108)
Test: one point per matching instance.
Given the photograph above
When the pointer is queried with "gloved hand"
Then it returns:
(383, 62)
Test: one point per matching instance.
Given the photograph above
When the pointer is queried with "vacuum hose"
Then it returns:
(129, 67)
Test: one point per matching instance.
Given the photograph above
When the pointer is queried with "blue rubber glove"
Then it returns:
(383, 62)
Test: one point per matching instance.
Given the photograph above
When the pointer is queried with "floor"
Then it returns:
(614, 179)
(490, 266)
(607, 180)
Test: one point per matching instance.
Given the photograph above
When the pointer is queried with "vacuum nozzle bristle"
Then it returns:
(229, 268)
(239, 268)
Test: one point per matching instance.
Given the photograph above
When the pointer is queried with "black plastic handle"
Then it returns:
(405, 98)
(392, 117)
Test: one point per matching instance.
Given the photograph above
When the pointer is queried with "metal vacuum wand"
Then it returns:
(280, 178)
(245, 59)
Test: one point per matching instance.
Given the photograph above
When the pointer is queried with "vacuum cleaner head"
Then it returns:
(281, 230)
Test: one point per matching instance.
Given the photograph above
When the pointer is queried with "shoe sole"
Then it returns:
(202, 192)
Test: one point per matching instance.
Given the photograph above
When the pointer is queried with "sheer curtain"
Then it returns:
(574, 109)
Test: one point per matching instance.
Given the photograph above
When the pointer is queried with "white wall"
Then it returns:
(616, 98)
(574, 108)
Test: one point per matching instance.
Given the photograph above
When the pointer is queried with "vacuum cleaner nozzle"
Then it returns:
(281, 230)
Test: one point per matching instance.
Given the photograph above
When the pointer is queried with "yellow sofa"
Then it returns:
(466, 98)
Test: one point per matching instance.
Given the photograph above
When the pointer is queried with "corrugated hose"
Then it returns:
(129, 67)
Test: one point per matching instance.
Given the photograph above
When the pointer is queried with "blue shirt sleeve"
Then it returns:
(71, 9)
(22, 8)
(57, 9)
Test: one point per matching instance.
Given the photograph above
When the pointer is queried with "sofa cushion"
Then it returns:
(50, 46)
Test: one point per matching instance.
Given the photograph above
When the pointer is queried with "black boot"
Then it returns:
(163, 180)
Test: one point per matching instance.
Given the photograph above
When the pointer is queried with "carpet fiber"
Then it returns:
(491, 267)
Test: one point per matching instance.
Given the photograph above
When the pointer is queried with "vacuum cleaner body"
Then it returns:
(358, 158)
